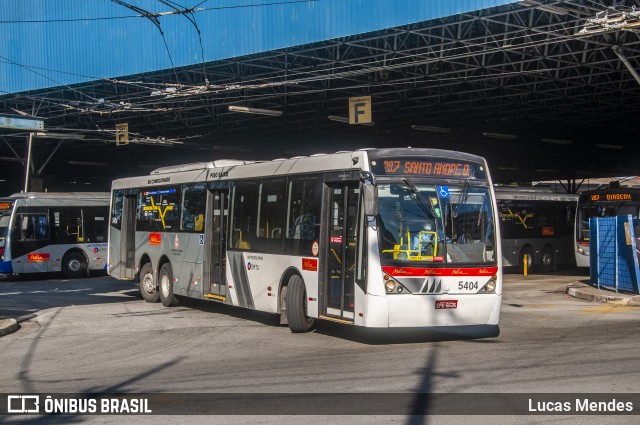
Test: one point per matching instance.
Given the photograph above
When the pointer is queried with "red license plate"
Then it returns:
(442, 304)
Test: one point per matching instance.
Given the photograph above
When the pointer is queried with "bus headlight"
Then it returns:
(580, 250)
(390, 285)
(490, 287)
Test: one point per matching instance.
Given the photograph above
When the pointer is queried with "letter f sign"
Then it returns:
(360, 110)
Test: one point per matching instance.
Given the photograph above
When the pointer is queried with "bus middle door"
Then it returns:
(215, 249)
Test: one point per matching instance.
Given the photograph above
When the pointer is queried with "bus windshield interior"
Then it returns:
(594, 210)
(435, 224)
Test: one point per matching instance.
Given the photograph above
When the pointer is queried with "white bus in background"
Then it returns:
(537, 224)
(380, 238)
(53, 232)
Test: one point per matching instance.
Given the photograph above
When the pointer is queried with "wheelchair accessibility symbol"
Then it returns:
(443, 191)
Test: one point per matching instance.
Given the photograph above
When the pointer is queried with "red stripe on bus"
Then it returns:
(440, 271)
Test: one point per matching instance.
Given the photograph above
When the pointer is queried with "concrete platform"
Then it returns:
(587, 292)
(8, 325)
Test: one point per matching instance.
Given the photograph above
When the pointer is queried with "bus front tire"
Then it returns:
(74, 265)
(165, 278)
(148, 288)
(296, 306)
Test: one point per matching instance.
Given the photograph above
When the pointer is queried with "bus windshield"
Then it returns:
(428, 223)
(594, 210)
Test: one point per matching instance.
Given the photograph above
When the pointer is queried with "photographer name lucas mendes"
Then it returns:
(580, 405)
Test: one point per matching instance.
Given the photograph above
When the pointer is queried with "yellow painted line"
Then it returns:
(540, 305)
(333, 319)
(216, 297)
(608, 308)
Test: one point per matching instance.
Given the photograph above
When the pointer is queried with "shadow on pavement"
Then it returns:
(19, 298)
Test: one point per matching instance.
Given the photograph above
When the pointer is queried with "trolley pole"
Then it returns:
(28, 163)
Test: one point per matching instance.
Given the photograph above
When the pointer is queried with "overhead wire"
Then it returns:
(153, 17)
(195, 8)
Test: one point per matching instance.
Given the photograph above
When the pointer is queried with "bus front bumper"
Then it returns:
(410, 311)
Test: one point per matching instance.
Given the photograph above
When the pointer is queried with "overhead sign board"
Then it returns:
(360, 110)
(122, 134)
(21, 123)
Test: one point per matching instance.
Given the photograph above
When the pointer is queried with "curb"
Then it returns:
(8, 326)
(619, 299)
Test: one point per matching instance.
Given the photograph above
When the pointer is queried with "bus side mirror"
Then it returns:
(370, 204)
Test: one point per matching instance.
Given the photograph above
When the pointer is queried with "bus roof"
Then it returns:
(532, 194)
(58, 195)
(233, 168)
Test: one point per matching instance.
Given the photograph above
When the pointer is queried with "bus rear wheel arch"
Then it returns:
(74, 265)
(165, 280)
(296, 305)
(148, 287)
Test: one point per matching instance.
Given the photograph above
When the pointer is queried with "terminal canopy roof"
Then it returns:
(543, 89)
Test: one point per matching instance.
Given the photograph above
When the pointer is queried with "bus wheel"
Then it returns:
(296, 306)
(548, 259)
(165, 277)
(74, 265)
(526, 252)
(148, 288)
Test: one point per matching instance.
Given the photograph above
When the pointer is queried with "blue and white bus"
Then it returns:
(53, 232)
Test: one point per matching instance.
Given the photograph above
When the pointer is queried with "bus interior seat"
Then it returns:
(199, 223)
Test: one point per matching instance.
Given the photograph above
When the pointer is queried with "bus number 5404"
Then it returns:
(467, 285)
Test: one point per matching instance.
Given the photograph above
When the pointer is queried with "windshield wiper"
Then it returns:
(461, 198)
(423, 202)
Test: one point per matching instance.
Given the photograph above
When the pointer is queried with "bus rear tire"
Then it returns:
(148, 288)
(548, 259)
(74, 265)
(165, 278)
(296, 306)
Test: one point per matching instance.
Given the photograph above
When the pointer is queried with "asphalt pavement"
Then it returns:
(12, 316)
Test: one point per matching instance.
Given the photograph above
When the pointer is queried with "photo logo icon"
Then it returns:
(23, 404)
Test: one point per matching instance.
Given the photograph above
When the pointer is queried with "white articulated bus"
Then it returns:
(537, 224)
(377, 238)
(52, 232)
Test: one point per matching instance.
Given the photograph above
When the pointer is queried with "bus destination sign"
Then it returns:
(427, 168)
(612, 197)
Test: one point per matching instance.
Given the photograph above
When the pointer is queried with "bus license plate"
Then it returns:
(442, 304)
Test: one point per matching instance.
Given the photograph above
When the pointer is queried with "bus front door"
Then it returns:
(341, 251)
(128, 238)
(215, 246)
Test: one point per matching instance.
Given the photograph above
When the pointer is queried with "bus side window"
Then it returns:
(194, 199)
(67, 225)
(243, 217)
(31, 227)
(270, 218)
(116, 209)
(95, 224)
